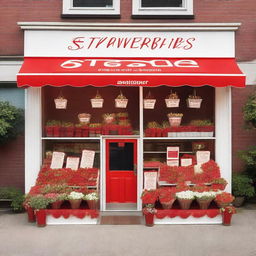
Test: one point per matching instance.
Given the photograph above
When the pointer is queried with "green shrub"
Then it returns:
(39, 202)
(15, 195)
(11, 121)
(249, 110)
(242, 185)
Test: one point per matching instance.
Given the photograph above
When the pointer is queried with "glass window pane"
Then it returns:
(121, 156)
(92, 3)
(161, 3)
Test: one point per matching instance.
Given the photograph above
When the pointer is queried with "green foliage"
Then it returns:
(242, 185)
(15, 195)
(11, 121)
(39, 202)
(249, 110)
(201, 122)
(249, 157)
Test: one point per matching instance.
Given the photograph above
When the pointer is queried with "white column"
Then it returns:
(223, 144)
(33, 133)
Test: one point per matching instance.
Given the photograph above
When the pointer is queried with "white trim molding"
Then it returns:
(185, 9)
(129, 26)
(69, 9)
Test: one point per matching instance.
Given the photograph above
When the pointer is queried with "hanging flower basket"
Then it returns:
(194, 101)
(121, 101)
(172, 101)
(98, 101)
(84, 118)
(149, 102)
(60, 103)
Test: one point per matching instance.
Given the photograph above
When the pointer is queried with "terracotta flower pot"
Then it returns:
(31, 214)
(75, 203)
(168, 205)
(185, 203)
(41, 218)
(226, 218)
(57, 204)
(149, 219)
(92, 204)
(204, 204)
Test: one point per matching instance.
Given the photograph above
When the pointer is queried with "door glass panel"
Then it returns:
(92, 3)
(161, 3)
(121, 156)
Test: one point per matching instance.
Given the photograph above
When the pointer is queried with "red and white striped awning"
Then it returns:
(148, 72)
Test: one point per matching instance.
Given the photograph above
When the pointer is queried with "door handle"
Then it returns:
(135, 167)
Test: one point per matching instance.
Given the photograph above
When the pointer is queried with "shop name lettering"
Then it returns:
(69, 64)
(153, 43)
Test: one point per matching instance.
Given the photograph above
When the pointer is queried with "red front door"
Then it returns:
(121, 171)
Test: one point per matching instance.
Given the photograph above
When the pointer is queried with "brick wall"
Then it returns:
(242, 138)
(244, 11)
(12, 163)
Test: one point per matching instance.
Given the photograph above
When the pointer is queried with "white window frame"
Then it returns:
(186, 9)
(68, 9)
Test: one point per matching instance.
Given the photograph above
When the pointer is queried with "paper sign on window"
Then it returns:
(186, 161)
(87, 159)
(150, 179)
(173, 162)
(173, 152)
(72, 163)
(57, 160)
(202, 157)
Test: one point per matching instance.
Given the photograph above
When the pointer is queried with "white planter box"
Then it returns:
(149, 103)
(97, 103)
(172, 103)
(172, 134)
(194, 103)
(206, 134)
(61, 103)
(121, 103)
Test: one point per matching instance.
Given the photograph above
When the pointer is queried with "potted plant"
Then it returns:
(68, 128)
(204, 198)
(56, 199)
(109, 118)
(75, 199)
(149, 102)
(52, 128)
(227, 213)
(167, 198)
(97, 101)
(224, 199)
(149, 213)
(219, 183)
(194, 101)
(242, 187)
(153, 129)
(92, 200)
(121, 101)
(185, 199)
(95, 129)
(39, 203)
(84, 118)
(172, 101)
(175, 119)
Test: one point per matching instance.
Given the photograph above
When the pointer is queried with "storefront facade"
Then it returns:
(80, 60)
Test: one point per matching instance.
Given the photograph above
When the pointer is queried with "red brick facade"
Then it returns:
(205, 11)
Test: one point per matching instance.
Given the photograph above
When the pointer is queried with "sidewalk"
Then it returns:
(20, 238)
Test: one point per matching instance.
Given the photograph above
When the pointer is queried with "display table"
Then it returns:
(192, 216)
(71, 216)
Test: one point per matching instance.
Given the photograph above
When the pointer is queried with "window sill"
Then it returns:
(93, 16)
(150, 16)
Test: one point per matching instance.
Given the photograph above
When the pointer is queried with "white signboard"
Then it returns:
(72, 163)
(202, 157)
(150, 179)
(57, 160)
(185, 161)
(173, 152)
(87, 159)
(57, 43)
(173, 162)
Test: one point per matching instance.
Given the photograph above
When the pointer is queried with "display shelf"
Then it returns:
(178, 138)
(164, 152)
(70, 138)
